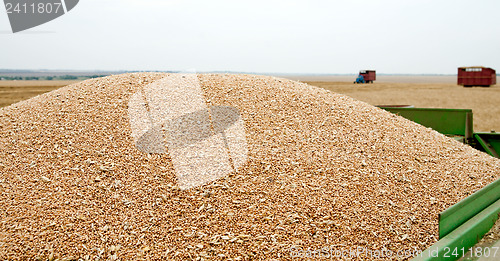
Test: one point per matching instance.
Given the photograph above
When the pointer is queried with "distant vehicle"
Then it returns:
(366, 76)
(360, 79)
(476, 76)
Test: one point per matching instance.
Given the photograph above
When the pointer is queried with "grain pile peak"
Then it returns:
(237, 167)
(202, 142)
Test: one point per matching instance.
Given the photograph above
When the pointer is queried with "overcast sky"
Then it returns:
(271, 36)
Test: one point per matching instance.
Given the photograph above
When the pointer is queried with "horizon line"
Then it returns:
(48, 71)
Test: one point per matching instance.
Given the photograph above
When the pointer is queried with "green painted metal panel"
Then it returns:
(446, 121)
(490, 143)
(459, 213)
(457, 243)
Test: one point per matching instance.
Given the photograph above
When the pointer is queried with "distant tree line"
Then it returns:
(48, 78)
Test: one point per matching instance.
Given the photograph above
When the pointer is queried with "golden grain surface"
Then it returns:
(324, 170)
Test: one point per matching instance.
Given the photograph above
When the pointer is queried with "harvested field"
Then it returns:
(323, 170)
(483, 101)
(15, 91)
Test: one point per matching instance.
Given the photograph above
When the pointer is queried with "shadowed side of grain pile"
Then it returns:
(323, 170)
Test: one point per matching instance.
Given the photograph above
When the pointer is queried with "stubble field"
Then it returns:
(484, 102)
(15, 91)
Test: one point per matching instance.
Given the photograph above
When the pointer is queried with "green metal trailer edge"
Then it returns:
(464, 224)
(454, 123)
(490, 142)
(457, 243)
(445, 121)
(456, 215)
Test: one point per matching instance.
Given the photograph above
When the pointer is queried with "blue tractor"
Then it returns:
(360, 79)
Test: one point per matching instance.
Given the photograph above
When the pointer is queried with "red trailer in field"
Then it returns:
(476, 76)
(368, 76)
